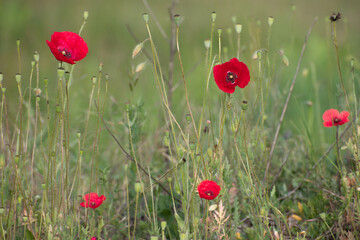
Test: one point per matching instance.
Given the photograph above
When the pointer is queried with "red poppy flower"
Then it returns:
(208, 189)
(332, 117)
(67, 47)
(94, 238)
(231, 74)
(92, 200)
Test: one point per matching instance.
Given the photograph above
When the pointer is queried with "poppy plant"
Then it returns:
(92, 200)
(231, 74)
(67, 47)
(208, 189)
(332, 117)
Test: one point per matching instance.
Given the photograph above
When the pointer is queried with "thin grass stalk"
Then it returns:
(29, 104)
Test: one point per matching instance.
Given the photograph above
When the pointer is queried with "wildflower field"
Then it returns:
(179, 119)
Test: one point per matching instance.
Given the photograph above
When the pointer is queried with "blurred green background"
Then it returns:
(110, 42)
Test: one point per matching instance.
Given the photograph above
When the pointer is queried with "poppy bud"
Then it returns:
(36, 56)
(101, 65)
(207, 43)
(352, 63)
(285, 60)
(213, 16)
(107, 76)
(137, 49)
(78, 135)
(163, 225)
(25, 219)
(61, 73)
(32, 64)
(177, 19)
(46, 81)
(86, 15)
(127, 107)
(58, 109)
(322, 216)
(3, 90)
(145, 17)
(166, 140)
(154, 238)
(18, 43)
(18, 78)
(139, 187)
(238, 28)
(17, 158)
(1, 77)
(270, 21)
(140, 67)
(276, 234)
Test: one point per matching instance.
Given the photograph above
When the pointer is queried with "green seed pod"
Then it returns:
(177, 19)
(36, 56)
(18, 42)
(67, 75)
(61, 73)
(213, 16)
(238, 28)
(244, 105)
(219, 31)
(86, 15)
(93, 79)
(18, 78)
(32, 64)
(3, 90)
(163, 225)
(207, 43)
(46, 81)
(145, 17)
(270, 21)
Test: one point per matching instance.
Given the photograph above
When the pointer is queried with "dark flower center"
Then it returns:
(230, 77)
(65, 52)
(336, 120)
(209, 193)
(92, 204)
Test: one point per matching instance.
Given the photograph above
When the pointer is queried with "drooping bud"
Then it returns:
(140, 67)
(285, 60)
(213, 16)
(137, 49)
(37, 91)
(86, 15)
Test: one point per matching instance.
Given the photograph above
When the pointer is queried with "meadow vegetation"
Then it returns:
(88, 153)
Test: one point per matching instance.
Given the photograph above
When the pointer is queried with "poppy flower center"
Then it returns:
(336, 120)
(209, 193)
(65, 52)
(92, 204)
(230, 77)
